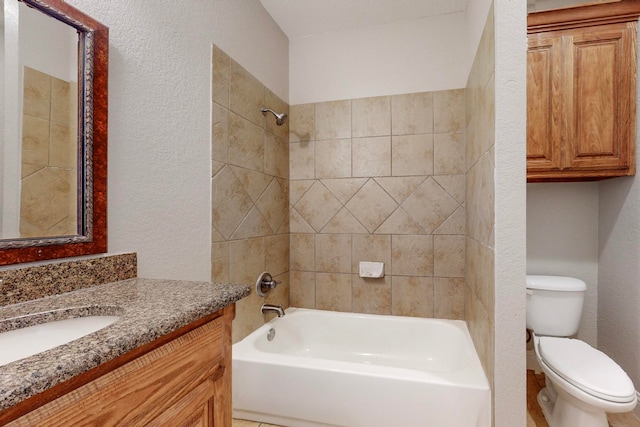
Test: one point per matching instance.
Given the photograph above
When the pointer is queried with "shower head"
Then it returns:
(280, 118)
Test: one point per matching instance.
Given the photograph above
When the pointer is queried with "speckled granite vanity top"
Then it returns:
(148, 309)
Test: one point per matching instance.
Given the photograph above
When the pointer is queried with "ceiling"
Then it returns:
(299, 18)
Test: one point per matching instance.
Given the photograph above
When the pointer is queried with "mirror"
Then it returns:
(53, 125)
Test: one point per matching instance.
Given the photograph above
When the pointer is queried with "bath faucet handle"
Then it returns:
(265, 283)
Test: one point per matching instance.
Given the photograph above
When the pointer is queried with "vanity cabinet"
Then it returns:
(581, 85)
(183, 379)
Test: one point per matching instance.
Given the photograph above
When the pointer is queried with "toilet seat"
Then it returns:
(586, 368)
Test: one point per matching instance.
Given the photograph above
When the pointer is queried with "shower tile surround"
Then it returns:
(250, 189)
(379, 179)
(479, 167)
(404, 179)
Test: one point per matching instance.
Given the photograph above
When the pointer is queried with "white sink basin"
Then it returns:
(24, 342)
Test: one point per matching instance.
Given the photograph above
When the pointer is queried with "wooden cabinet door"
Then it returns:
(599, 101)
(544, 113)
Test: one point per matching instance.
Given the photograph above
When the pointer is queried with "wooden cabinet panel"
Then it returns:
(185, 382)
(581, 79)
(543, 103)
(600, 123)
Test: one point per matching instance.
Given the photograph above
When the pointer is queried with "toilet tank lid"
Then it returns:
(555, 283)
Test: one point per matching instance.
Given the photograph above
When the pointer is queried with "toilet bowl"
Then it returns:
(583, 383)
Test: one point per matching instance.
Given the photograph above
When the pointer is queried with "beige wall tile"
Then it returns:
(276, 156)
(246, 144)
(246, 260)
(277, 254)
(412, 296)
(254, 224)
(246, 94)
(369, 247)
(302, 123)
(449, 297)
(333, 253)
(412, 255)
(372, 156)
(371, 116)
(412, 113)
(318, 206)
(449, 256)
(333, 292)
(248, 316)
(37, 94)
(220, 262)
(399, 222)
(333, 158)
(449, 153)
(297, 224)
(401, 187)
(431, 195)
(253, 182)
(344, 222)
(302, 160)
(302, 291)
(412, 155)
(298, 188)
(53, 185)
(220, 132)
(230, 203)
(62, 102)
(480, 260)
(372, 296)
(454, 185)
(303, 247)
(449, 111)
(220, 77)
(344, 189)
(454, 224)
(35, 140)
(480, 200)
(63, 151)
(371, 205)
(274, 204)
(333, 120)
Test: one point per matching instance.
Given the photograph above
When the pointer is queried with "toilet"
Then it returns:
(582, 383)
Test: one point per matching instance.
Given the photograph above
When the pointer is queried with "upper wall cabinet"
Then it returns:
(581, 85)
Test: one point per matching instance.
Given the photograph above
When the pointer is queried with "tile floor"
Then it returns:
(534, 414)
(245, 423)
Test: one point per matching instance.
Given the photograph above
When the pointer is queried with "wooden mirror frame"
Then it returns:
(93, 61)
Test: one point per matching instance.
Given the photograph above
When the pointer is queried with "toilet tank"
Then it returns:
(554, 304)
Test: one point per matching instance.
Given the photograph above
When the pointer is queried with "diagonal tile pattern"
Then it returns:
(398, 197)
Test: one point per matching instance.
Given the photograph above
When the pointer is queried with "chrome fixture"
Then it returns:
(265, 283)
(280, 118)
(268, 308)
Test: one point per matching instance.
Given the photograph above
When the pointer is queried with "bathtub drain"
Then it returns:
(271, 334)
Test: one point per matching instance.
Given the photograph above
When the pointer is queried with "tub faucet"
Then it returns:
(266, 308)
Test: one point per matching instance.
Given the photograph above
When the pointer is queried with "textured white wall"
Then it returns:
(475, 18)
(420, 55)
(160, 120)
(562, 240)
(510, 212)
(619, 267)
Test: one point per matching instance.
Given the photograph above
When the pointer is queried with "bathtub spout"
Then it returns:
(266, 308)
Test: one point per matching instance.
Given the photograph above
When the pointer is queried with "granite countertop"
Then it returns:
(148, 309)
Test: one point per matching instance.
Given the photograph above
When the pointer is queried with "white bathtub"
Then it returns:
(325, 368)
